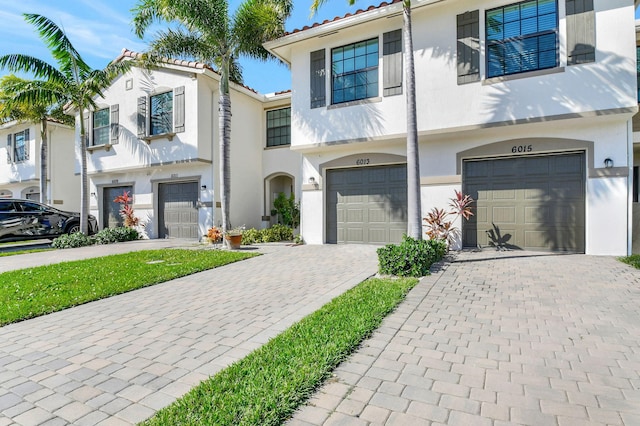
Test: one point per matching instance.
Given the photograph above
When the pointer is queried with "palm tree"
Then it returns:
(414, 221)
(11, 88)
(73, 83)
(209, 34)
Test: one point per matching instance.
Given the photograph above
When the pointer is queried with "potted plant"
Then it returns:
(234, 237)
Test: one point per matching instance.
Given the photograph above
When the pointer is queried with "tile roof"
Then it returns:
(126, 53)
(338, 18)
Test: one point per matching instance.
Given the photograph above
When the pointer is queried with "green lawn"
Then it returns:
(633, 260)
(267, 386)
(27, 293)
(25, 251)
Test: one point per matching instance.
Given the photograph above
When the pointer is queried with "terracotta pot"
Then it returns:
(234, 241)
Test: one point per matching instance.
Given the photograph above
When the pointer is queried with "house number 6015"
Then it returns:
(522, 148)
(362, 161)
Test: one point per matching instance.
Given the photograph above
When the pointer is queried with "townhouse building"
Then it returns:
(154, 134)
(525, 105)
(20, 163)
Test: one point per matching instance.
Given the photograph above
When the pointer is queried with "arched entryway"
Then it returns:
(274, 184)
(31, 193)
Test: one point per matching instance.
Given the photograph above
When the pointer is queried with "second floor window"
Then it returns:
(18, 147)
(279, 127)
(354, 71)
(101, 128)
(161, 117)
(522, 37)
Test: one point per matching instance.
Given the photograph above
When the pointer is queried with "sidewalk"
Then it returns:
(118, 360)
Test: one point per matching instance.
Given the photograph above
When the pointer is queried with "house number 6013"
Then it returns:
(362, 161)
(522, 148)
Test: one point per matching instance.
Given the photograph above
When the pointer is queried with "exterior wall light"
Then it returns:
(203, 187)
(608, 163)
(312, 180)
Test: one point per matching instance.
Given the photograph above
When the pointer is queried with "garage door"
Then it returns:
(530, 203)
(178, 210)
(367, 204)
(110, 209)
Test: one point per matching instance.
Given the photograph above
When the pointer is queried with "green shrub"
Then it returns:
(251, 236)
(77, 239)
(270, 235)
(411, 258)
(116, 235)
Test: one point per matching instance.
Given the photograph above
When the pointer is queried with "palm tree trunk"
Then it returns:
(414, 220)
(84, 191)
(43, 160)
(224, 129)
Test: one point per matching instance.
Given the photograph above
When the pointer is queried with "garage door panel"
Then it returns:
(378, 235)
(503, 194)
(178, 210)
(370, 204)
(378, 216)
(542, 205)
(504, 214)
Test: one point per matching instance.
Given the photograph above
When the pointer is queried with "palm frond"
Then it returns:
(69, 60)
(180, 44)
(258, 21)
(24, 63)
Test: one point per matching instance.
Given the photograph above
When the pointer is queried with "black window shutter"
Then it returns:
(9, 147)
(317, 78)
(142, 116)
(468, 55)
(115, 125)
(26, 144)
(581, 32)
(178, 99)
(392, 58)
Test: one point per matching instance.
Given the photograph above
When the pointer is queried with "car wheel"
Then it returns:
(72, 229)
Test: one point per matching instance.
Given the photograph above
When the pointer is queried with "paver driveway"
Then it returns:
(118, 360)
(538, 340)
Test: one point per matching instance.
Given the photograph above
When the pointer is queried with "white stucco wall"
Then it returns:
(18, 179)
(445, 106)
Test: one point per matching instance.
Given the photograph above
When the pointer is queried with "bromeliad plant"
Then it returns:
(126, 210)
(440, 222)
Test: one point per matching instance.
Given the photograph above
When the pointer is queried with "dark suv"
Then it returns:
(26, 219)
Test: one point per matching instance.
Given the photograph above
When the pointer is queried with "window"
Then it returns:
(635, 184)
(161, 118)
(279, 127)
(354, 71)
(18, 147)
(522, 37)
(101, 127)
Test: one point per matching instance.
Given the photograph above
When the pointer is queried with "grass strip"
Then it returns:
(25, 251)
(633, 260)
(27, 293)
(267, 386)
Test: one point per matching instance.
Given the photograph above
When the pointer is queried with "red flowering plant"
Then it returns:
(214, 234)
(440, 221)
(126, 210)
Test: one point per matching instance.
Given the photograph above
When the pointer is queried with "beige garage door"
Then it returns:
(367, 204)
(529, 203)
(178, 205)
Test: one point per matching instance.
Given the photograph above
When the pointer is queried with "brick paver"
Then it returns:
(118, 360)
(500, 338)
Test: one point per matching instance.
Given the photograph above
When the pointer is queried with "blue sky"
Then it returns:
(100, 29)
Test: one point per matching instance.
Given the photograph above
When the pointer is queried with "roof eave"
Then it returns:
(278, 47)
